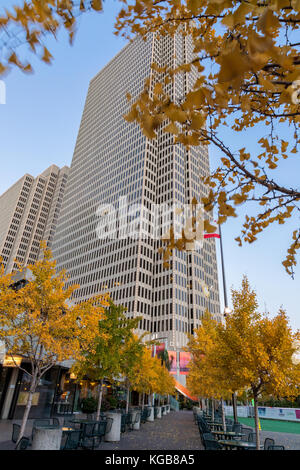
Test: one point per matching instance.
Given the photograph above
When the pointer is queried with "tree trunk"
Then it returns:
(143, 401)
(256, 422)
(234, 408)
(127, 398)
(32, 389)
(99, 400)
(223, 415)
(212, 410)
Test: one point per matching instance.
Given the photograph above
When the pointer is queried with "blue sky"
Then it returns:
(39, 125)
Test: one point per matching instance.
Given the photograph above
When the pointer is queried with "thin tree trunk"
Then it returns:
(143, 401)
(99, 400)
(223, 415)
(234, 408)
(212, 410)
(127, 398)
(32, 389)
(256, 422)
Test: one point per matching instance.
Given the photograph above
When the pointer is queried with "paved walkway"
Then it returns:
(175, 431)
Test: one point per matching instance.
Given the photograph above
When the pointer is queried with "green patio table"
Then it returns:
(215, 426)
(227, 435)
(237, 445)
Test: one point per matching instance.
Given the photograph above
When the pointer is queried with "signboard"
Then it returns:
(267, 412)
(12, 361)
(158, 349)
(287, 414)
(184, 359)
(23, 398)
(173, 362)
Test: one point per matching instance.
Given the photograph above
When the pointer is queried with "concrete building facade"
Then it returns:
(28, 214)
(115, 164)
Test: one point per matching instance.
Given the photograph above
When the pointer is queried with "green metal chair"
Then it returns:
(72, 441)
(206, 436)
(56, 422)
(125, 421)
(144, 415)
(102, 427)
(245, 433)
(90, 439)
(23, 443)
(237, 428)
(276, 448)
(15, 432)
(268, 442)
(212, 444)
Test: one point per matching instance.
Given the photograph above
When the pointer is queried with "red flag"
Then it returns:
(216, 234)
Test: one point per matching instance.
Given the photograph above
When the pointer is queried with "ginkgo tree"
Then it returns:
(165, 383)
(204, 377)
(29, 22)
(130, 355)
(114, 332)
(255, 352)
(250, 353)
(143, 375)
(150, 376)
(39, 323)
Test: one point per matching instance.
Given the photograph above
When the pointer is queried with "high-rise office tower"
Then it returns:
(28, 214)
(114, 164)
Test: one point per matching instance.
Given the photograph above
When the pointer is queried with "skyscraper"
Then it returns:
(28, 214)
(115, 165)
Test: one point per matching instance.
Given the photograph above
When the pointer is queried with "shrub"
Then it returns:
(88, 405)
(113, 402)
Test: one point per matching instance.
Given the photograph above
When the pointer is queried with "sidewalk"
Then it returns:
(175, 431)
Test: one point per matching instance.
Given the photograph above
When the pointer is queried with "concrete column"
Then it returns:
(114, 435)
(47, 439)
(159, 408)
(10, 393)
(151, 417)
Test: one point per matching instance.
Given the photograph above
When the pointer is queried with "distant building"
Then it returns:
(28, 214)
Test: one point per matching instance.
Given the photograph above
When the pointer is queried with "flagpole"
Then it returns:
(226, 309)
(223, 270)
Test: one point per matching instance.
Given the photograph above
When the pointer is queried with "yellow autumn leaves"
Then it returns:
(246, 55)
(29, 23)
(149, 376)
(249, 353)
(40, 323)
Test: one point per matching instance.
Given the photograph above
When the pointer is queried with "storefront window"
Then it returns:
(42, 398)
